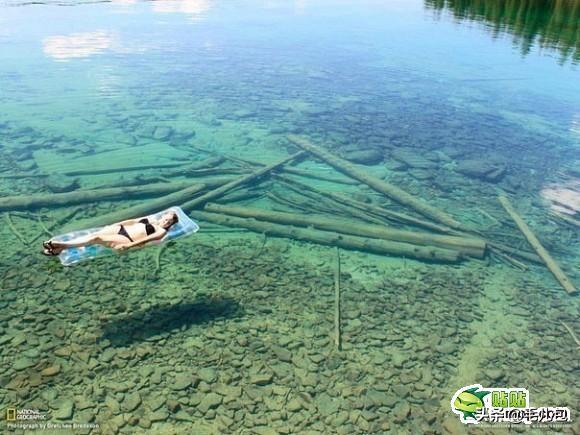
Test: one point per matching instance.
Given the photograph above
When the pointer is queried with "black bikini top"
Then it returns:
(148, 227)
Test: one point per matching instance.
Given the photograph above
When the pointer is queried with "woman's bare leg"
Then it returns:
(91, 239)
(104, 235)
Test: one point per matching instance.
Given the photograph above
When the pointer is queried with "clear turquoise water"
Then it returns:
(84, 85)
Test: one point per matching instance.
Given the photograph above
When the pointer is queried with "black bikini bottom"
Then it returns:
(123, 232)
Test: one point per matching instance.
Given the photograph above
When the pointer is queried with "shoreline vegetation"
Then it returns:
(552, 24)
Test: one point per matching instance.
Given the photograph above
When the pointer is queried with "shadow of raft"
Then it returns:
(159, 322)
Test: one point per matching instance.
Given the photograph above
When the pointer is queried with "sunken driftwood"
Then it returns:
(301, 172)
(126, 169)
(201, 168)
(507, 259)
(313, 201)
(537, 246)
(469, 246)
(337, 312)
(314, 175)
(568, 219)
(395, 193)
(100, 171)
(571, 332)
(327, 238)
(160, 250)
(15, 231)
(242, 195)
(180, 197)
(209, 171)
(141, 209)
(222, 190)
(402, 218)
(366, 207)
(508, 250)
(212, 162)
(286, 202)
(391, 215)
(93, 195)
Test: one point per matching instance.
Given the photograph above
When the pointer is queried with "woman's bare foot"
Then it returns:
(51, 248)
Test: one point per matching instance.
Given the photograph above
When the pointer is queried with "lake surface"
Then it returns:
(230, 329)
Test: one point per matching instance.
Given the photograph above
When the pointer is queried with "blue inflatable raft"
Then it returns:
(70, 256)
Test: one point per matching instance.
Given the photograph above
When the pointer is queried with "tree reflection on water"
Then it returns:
(552, 24)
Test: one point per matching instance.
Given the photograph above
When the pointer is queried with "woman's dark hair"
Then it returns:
(173, 221)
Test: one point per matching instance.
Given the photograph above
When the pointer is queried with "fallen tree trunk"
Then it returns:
(320, 203)
(469, 246)
(184, 166)
(212, 162)
(366, 207)
(220, 191)
(95, 171)
(316, 202)
(140, 209)
(537, 246)
(243, 195)
(375, 246)
(377, 184)
(337, 311)
(309, 174)
(86, 196)
(301, 172)
(568, 219)
(294, 204)
(180, 197)
(208, 171)
(524, 255)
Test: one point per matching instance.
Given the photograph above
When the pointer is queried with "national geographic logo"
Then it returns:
(15, 414)
(11, 414)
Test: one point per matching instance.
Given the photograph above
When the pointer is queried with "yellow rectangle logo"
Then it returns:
(11, 414)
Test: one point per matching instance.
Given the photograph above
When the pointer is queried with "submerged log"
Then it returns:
(366, 207)
(140, 209)
(197, 169)
(537, 246)
(376, 246)
(29, 202)
(220, 191)
(314, 175)
(317, 202)
(243, 195)
(301, 172)
(524, 255)
(95, 171)
(469, 246)
(208, 171)
(212, 162)
(15, 231)
(337, 311)
(179, 197)
(395, 193)
(568, 219)
(184, 167)
(82, 172)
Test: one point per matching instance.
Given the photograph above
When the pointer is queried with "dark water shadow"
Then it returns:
(160, 322)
